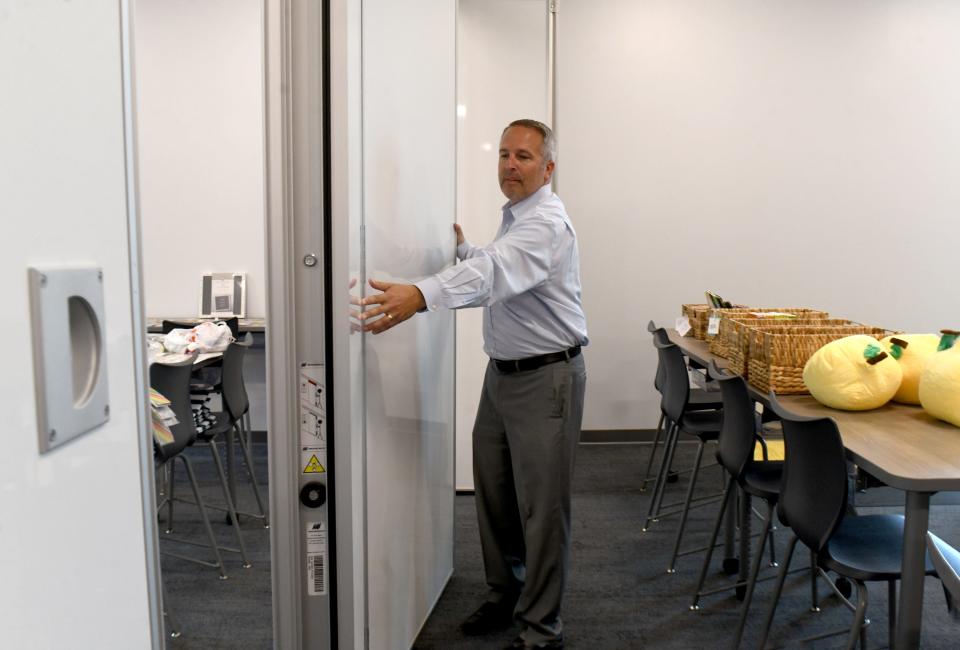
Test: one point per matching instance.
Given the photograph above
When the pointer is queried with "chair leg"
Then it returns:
(892, 611)
(752, 580)
(661, 484)
(686, 508)
(814, 593)
(731, 483)
(653, 452)
(781, 577)
(245, 420)
(253, 478)
(859, 632)
(231, 509)
(169, 528)
(172, 628)
(203, 515)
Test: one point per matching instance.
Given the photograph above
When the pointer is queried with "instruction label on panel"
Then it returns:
(312, 386)
(313, 408)
(316, 558)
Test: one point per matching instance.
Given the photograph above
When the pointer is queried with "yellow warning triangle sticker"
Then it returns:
(314, 466)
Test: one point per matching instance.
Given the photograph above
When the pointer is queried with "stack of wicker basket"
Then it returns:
(727, 339)
(733, 341)
(776, 356)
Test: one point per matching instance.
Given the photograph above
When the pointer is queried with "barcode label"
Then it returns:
(316, 559)
(319, 575)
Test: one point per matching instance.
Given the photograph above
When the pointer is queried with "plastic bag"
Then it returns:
(212, 337)
(180, 340)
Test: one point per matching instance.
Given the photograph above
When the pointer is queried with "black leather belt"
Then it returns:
(532, 363)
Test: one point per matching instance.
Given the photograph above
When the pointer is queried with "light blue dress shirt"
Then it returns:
(528, 280)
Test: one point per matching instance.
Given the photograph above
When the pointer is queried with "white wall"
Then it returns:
(784, 154)
(409, 182)
(501, 76)
(72, 558)
(199, 67)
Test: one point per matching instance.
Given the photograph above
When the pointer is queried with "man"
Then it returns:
(531, 407)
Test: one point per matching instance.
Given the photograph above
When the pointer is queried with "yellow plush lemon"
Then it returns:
(912, 357)
(940, 385)
(853, 374)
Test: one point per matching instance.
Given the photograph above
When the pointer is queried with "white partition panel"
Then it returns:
(782, 153)
(408, 194)
(501, 76)
(73, 564)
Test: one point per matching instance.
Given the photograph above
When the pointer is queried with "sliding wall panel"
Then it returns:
(409, 161)
(786, 154)
(75, 542)
(501, 76)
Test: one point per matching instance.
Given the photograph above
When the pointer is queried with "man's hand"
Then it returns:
(460, 238)
(397, 303)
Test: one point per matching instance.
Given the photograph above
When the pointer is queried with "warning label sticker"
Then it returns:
(312, 428)
(316, 559)
(313, 466)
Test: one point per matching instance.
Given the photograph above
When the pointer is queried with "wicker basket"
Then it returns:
(727, 340)
(735, 344)
(699, 317)
(777, 355)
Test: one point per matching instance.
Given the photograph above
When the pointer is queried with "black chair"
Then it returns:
(699, 400)
(229, 508)
(813, 503)
(230, 421)
(173, 382)
(702, 425)
(946, 561)
(206, 380)
(735, 452)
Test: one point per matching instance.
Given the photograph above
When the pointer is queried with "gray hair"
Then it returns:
(549, 148)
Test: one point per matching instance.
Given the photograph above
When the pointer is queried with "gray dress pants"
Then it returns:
(524, 439)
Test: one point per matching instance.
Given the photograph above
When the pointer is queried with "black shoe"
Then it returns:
(489, 617)
(518, 643)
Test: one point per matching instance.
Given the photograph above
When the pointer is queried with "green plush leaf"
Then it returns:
(896, 351)
(946, 342)
(871, 351)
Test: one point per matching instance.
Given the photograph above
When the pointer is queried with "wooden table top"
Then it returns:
(900, 444)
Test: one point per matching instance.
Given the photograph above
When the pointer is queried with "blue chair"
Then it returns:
(813, 503)
(946, 561)
(702, 425)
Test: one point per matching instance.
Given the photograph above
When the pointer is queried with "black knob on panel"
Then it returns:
(313, 495)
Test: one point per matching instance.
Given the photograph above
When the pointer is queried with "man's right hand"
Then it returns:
(460, 238)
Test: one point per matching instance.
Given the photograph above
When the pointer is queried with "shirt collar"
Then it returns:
(524, 207)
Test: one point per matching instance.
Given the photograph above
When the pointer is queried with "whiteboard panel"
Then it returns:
(409, 160)
(787, 154)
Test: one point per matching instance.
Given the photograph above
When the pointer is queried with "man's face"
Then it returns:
(522, 170)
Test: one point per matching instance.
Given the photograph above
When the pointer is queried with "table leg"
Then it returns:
(231, 472)
(911, 583)
(730, 526)
(746, 519)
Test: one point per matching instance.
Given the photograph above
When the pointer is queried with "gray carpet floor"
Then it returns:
(214, 614)
(619, 594)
